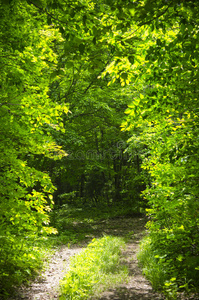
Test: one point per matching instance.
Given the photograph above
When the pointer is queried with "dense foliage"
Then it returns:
(27, 60)
(68, 72)
(163, 119)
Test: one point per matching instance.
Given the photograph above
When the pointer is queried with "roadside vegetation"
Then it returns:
(168, 272)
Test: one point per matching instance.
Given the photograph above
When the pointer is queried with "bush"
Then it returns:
(167, 265)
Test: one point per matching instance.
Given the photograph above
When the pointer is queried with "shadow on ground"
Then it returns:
(127, 294)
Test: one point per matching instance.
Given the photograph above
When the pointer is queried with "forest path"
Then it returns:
(138, 287)
(46, 287)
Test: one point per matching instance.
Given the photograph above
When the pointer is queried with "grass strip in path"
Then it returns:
(95, 269)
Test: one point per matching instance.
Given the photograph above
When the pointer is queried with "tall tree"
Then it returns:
(163, 119)
(27, 60)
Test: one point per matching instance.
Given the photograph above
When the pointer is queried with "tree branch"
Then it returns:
(148, 22)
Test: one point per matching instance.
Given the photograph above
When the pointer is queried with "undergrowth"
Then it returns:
(153, 267)
(23, 263)
(95, 269)
(161, 269)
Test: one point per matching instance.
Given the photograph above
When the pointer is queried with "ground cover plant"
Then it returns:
(157, 270)
(95, 269)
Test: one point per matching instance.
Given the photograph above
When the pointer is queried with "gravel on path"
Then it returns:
(46, 286)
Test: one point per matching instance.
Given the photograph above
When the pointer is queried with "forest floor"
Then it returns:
(46, 286)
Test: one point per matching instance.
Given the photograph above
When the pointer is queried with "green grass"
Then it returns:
(157, 269)
(152, 268)
(74, 224)
(95, 269)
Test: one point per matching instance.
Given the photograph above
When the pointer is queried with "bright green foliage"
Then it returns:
(27, 60)
(94, 269)
(96, 169)
(163, 119)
